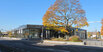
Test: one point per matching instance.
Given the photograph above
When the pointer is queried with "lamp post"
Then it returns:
(42, 32)
(96, 34)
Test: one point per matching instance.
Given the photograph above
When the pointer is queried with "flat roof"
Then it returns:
(39, 26)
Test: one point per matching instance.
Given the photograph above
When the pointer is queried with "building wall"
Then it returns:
(81, 34)
(38, 31)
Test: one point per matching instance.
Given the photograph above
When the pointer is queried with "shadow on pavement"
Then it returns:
(17, 45)
(31, 46)
(76, 48)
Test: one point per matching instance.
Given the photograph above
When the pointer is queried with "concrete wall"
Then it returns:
(63, 42)
(8, 38)
(94, 43)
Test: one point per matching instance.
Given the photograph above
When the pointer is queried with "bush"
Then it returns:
(75, 38)
(57, 39)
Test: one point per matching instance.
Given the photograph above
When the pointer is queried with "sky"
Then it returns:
(14, 13)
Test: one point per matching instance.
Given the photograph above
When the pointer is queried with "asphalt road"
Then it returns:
(24, 46)
(31, 46)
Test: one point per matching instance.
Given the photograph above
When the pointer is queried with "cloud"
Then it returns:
(94, 21)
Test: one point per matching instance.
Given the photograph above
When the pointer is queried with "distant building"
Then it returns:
(94, 35)
(3, 33)
(39, 31)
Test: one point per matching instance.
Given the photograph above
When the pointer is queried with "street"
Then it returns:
(30, 46)
(24, 46)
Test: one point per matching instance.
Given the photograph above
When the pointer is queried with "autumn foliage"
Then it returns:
(9, 33)
(64, 14)
(102, 27)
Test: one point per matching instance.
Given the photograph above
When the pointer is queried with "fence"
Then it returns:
(94, 43)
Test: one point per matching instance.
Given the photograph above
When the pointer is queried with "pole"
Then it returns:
(96, 34)
(42, 32)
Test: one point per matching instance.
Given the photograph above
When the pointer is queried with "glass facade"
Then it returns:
(38, 31)
(29, 31)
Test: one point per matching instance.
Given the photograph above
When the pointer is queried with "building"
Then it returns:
(39, 31)
(95, 35)
(3, 34)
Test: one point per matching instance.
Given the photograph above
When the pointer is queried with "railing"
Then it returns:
(94, 43)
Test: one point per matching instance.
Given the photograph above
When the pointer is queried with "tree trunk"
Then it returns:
(67, 37)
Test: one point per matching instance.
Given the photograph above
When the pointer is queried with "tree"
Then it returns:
(102, 27)
(0, 32)
(9, 33)
(98, 35)
(26, 34)
(89, 34)
(63, 15)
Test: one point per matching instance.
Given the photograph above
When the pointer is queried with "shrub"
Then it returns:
(57, 39)
(95, 38)
(75, 38)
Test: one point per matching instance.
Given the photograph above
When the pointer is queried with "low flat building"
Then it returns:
(3, 34)
(39, 31)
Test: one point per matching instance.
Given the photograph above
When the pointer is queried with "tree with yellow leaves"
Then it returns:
(102, 27)
(9, 33)
(26, 34)
(64, 14)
